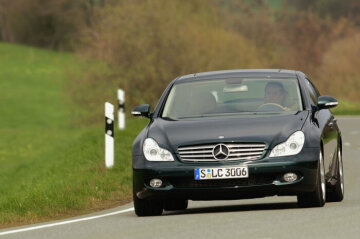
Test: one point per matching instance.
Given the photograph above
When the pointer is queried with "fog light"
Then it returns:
(155, 183)
(290, 177)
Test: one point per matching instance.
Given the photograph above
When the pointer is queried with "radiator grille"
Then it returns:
(236, 151)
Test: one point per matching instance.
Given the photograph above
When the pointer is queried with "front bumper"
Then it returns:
(265, 179)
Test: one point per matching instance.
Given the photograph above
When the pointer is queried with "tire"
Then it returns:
(175, 204)
(145, 207)
(337, 191)
(318, 197)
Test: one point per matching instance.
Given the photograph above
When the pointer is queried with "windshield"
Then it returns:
(221, 97)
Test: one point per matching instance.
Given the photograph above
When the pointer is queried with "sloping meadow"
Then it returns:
(51, 162)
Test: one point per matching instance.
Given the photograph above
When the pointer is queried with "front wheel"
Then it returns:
(316, 198)
(175, 204)
(337, 192)
(145, 207)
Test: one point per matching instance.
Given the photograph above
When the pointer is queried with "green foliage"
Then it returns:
(333, 8)
(340, 69)
(144, 50)
(142, 45)
(49, 23)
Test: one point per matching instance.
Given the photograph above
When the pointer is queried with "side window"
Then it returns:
(313, 92)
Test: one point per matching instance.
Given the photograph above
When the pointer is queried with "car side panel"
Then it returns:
(325, 128)
(329, 136)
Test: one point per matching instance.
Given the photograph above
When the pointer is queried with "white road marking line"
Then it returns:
(347, 144)
(65, 222)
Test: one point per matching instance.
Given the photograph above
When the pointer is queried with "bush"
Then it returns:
(141, 46)
(45, 23)
(341, 68)
(146, 44)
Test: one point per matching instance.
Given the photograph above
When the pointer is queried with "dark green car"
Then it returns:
(237, 134)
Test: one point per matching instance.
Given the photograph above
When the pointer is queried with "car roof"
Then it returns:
(281, 73)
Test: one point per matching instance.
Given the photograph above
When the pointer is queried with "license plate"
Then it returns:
(221, 173)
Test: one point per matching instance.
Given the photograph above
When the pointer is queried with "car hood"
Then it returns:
(270, 129)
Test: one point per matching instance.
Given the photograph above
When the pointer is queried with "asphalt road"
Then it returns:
(272, 217)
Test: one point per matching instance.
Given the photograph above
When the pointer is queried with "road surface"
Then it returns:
(272, 217)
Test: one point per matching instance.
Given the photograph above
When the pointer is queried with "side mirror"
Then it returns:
(326, 102)
(141, 110)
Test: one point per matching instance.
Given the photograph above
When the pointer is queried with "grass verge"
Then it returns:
(347, 108)
(49, 166)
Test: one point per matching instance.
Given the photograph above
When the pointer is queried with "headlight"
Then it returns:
(292, 146)
(153, 152)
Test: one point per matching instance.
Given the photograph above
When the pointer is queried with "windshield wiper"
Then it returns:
(215, 115)
(191, 116)
(168, 118)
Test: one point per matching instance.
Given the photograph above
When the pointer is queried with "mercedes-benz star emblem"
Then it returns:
(220, 152)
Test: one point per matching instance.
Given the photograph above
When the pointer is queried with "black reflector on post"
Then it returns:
(109, 135)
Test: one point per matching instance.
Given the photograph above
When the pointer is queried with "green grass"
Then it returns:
(50, 166)
(347, 108)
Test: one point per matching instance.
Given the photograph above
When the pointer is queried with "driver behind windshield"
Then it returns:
(275, 93)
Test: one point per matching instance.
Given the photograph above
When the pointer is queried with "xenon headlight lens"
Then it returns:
(292, 146)
(153, 152)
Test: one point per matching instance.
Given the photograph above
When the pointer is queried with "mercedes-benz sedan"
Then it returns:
(237, 134)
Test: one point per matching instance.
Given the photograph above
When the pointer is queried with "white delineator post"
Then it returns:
(121, 108)
(109, 135)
